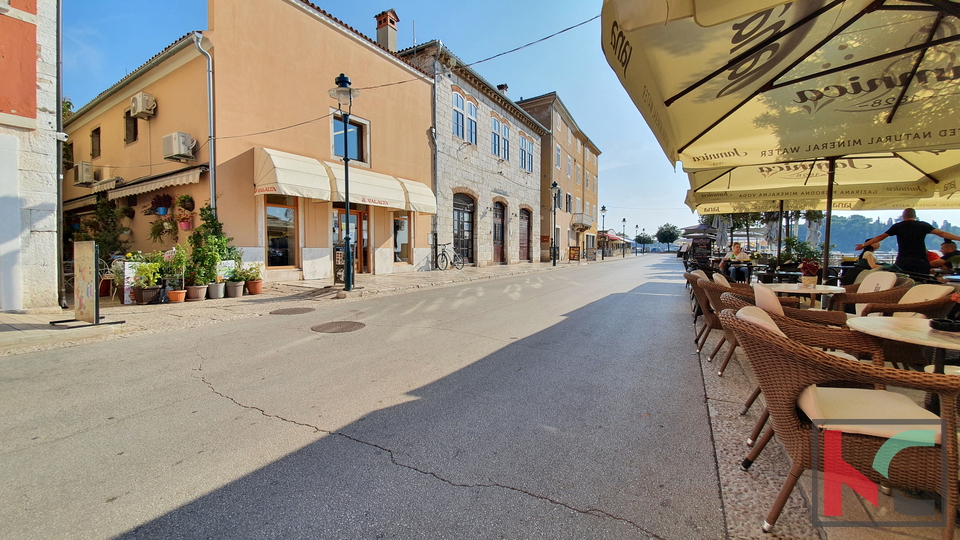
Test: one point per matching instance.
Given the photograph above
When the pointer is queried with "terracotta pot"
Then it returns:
(255, 287)
(195, 293)
(176, 297)
(186, 225)
(234, 289)
(146, 295)
(215, 290)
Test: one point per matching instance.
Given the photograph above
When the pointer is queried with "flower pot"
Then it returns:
(234, 289)
(176, 297)
(808, 281)
(146, 295)
(162, 211)
(167, 225)
(215, 290)
(195, 293)
(186, 225)
(255, 286)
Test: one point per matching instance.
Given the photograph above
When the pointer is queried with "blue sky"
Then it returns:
(104, 40)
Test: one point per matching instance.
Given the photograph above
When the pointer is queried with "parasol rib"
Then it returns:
(916, 66)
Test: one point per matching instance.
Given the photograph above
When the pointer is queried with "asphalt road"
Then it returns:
(551, 405)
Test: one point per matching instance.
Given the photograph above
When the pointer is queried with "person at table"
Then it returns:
(737, 255)
(948, 249)
(867, 260)
(911, 234)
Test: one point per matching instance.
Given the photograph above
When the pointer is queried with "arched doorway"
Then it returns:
(463, 216)
(524, 240)
(498, 220)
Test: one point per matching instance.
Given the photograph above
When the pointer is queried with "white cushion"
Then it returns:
(863, 404)
(720, 280)
(948, 370)
(875, 282)
(767, 299)
(759, 317)
(845, 356)
(923, 293)
(700, 274)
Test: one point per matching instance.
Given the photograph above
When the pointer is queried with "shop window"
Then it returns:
(281, 212)
(401, 238)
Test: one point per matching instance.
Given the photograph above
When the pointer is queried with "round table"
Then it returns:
(798, 288)
(910, 330)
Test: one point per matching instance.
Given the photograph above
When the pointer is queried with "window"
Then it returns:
(596, 180)
(67, 156)
(558, 200)
(578, 146)
(587, 181)
(495, 137)
(281, 230)
(569, 203)
(587, 209)
(471, 123)
(578, 174)
(458, 115)
(559, 124)
(558, 156)
(401, 238)
(569, 166)
(569, 136)
(130, 128)
(526, 154)
(505, 142)
(355, 138)
(578, 205)
(95, 143)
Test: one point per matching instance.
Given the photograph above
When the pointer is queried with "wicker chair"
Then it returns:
(815, 316)
(786, 368)
(710, 320)
(888, 296)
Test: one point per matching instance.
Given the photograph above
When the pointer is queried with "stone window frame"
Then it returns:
(365, 155)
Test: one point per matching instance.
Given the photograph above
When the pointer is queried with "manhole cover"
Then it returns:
(338, 327)
(292, 311)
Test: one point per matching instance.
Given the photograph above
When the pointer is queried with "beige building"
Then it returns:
(488, 163)
(272, 162)
(28, 156)
(570, 159)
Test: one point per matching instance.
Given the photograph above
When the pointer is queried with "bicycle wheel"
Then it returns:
(457, 261)
(442, 260)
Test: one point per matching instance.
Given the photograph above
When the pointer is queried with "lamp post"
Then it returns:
(603, 216)
(344, 96)
(644, 249)
(636, 230)
(623, 234)
(555, 191)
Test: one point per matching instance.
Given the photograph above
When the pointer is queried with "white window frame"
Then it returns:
(471, 122)
(495, 136)
(569, 166)
(459, 112)
(558, 157)
(505, 141)
(578, 174)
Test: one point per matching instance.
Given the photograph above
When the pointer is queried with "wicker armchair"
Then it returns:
(890, 296)
(814, 316)
(786, 368)
(920, 301)
(710, 320)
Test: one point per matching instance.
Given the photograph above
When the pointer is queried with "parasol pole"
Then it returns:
(779, 233)
(831, 173)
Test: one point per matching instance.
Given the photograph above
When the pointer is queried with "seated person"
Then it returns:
(942, 263)
(737, 255)
(867, 260)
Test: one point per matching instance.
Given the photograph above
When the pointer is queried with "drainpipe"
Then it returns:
(436, 153)
(212, 139)
(62, 289)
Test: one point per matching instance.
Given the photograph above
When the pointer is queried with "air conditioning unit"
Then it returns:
(83, 173)
(178, 146)
(143, 105)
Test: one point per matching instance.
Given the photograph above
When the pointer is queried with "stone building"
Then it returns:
(28, 156)
(572, 161)
(487, 163)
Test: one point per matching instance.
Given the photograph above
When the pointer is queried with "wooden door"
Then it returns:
(524, 235)
(498, 213)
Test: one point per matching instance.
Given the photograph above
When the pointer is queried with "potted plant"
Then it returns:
(146, 287)
(216, 288)
(185, 220)
(254, 280)
(236, 277)
(160, 203)
(196, 278)
(810, 269)
(173, 270)
(186, 202)
(163, 226)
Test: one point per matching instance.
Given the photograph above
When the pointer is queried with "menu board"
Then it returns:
(702, 249)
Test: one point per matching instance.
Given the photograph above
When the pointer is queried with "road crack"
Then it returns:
(595, 512)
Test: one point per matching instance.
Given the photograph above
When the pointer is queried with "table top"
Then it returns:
(798, 288)
(906, 329)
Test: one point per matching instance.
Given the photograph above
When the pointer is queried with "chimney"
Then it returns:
(387, 30)
(502, 88)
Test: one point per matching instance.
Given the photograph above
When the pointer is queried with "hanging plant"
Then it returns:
(186, 202)
(163, 226)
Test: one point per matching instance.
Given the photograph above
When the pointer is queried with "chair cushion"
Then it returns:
(948, 370)
(875, 282)
(863, 404)
(759, 317)
(923, 293)
(719, 279)
(767, 299)
(700, 274)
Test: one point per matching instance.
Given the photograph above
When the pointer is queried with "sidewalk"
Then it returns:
(21, 333)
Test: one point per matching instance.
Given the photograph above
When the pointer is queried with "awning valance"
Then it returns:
(80, 202)
(282, 173)
(107, 184)
(180, 178)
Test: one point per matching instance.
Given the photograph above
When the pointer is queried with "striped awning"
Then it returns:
(177, 178)
(80, 202)
(107, 184)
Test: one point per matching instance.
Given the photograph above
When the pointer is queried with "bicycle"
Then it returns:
(446, 256)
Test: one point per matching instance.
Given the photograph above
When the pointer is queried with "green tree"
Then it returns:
(105, 228)
(66, 106)
(667, 234)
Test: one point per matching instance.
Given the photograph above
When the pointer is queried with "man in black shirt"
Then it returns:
(911, 236)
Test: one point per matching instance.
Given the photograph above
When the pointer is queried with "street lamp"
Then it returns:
(623, 233)
(603, 216)
(636, 230)
(644, 249)
(555, 191)
(344, 96)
